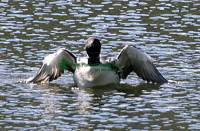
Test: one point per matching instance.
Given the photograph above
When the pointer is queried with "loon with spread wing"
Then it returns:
(96, 72)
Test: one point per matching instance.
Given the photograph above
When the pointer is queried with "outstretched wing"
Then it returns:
(132, 59)
(53, 66)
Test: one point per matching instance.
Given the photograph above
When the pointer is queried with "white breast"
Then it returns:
(89, 76)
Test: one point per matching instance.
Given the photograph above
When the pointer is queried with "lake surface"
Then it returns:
(168, 30)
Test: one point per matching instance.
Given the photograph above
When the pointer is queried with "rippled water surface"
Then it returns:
(168, 30)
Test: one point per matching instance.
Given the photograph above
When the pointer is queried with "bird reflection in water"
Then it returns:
(89, 97)
(83, 100)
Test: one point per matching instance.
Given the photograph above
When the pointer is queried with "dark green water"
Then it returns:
(168, 30)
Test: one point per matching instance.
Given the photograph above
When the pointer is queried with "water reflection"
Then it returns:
(85, 97)
(89, 102)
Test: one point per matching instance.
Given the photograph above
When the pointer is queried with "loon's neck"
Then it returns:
(93, 60)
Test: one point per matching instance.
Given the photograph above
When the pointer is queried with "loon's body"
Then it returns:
(97, 75)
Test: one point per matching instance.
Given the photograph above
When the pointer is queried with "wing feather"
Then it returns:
(132, 59)
(53, 66)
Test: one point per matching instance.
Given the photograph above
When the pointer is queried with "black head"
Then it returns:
(93, 47)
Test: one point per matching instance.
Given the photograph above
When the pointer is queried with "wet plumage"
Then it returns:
(95, 72)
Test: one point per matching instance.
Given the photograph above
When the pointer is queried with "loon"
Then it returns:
(95, 72)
